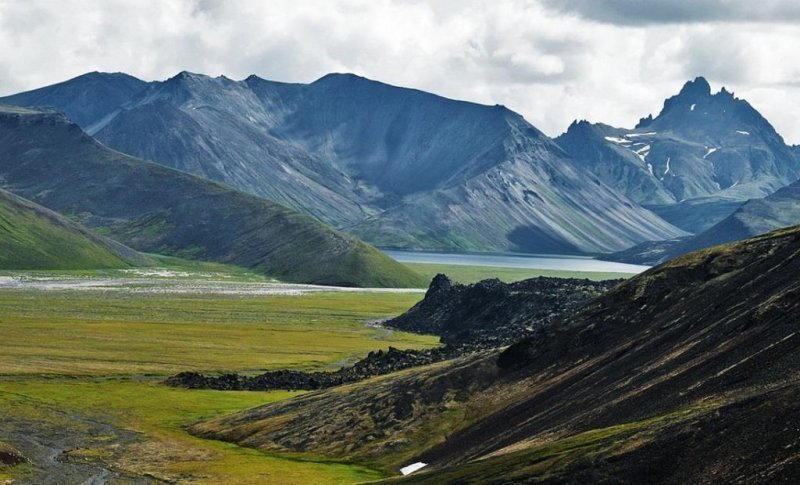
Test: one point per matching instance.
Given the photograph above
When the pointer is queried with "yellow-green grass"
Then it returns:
(110, 333)
(472, 274)
(72, 356)
(159, 413)
(193, 269)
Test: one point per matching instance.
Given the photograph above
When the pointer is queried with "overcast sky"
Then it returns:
(551, 60)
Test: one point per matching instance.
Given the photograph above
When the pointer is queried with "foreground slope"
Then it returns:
(32, 237)
(703, 153)
(686, 373)
(51, 161)
(397, 167)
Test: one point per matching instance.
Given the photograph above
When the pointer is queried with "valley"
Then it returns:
(81, 371)
(349, 242)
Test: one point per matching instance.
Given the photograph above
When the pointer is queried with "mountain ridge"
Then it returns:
(33, 237)
(47, 158)
(381, 162)
(714, 148)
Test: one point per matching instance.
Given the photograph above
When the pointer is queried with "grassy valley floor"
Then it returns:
(84, 354)
(472, 274)
(80, 373)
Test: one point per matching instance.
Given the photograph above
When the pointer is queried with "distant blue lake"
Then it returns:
(528, 261)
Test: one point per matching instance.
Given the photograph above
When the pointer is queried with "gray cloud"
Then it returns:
(551, 62)
(642, 12)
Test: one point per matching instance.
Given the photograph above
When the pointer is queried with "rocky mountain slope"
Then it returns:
(703, 153)
(398, 167)
(754, 217)
(685, 373)
(87, 98)
(32, 237)
(46, 158)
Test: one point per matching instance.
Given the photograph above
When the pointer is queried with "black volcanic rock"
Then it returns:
(686, 373)
(491, 313)
(469, 319)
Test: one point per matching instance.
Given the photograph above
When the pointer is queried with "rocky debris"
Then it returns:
(492, 313)
(469, 319)
(10, 457)
(376, 363)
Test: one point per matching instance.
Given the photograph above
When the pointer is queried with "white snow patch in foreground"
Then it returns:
(650, 167)
(666, 171)
(691, 108)
(710, 151)
(742, 132)
(614, 139)
(631, 135)
(407, 470)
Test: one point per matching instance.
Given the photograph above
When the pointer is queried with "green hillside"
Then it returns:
(32, 237)
(154, 209)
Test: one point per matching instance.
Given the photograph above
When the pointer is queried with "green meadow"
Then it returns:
(74, 360)
(81, 369)
(473, 274)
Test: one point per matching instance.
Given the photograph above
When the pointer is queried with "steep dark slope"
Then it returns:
(47, 159)
(398, 167)
(656, 347)
(713, 148)
(32, 237)
(686, 373)
(86, 99)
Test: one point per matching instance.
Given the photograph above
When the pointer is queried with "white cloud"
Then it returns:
(550, 64)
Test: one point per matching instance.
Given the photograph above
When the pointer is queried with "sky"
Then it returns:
(553, 61)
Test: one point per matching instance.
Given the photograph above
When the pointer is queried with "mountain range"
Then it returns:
(695, 162)
(402, 168)
(48, 159)
(666, 378)
(397, 167)
(756, 216)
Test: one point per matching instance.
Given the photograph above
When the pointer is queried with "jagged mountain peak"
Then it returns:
(399, 166)
(695, 111)
(699, 87)
(703, 148)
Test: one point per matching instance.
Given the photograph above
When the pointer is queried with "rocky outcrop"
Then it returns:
(686, 373)
(468, 318)
(492, 313)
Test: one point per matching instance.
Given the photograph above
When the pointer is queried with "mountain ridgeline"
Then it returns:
(683, 374)
(756, 216)
(397, 167)
(694, 163)
(48, 159)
